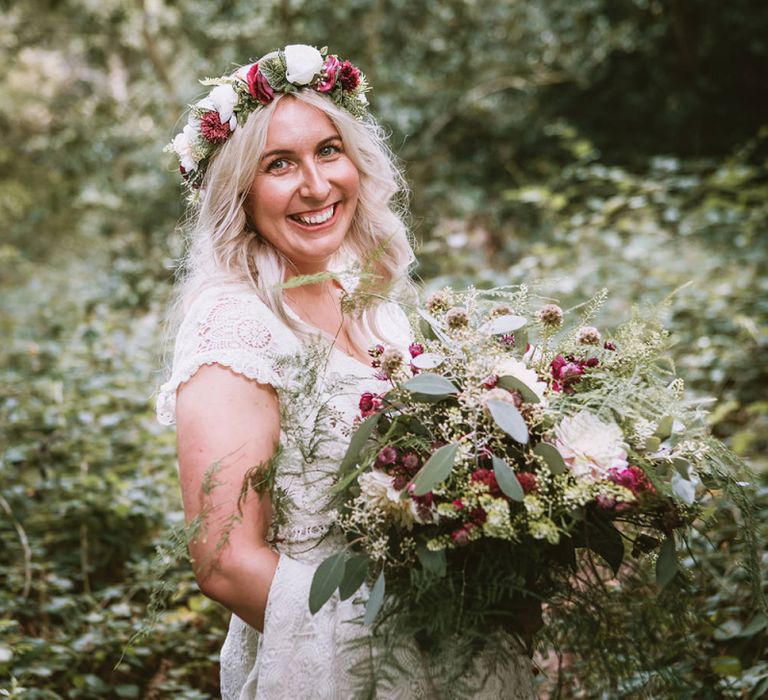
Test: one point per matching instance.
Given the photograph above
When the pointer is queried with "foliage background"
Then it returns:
(617, 143)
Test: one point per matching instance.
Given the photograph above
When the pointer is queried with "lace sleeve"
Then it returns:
(230, 327)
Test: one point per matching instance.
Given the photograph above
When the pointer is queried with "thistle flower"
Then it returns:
(550, 316)
(457, 318)
(391, 361)
(501, 310)
(437, 302)
(588, 335)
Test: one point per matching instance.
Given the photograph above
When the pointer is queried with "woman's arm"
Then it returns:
(226, 425)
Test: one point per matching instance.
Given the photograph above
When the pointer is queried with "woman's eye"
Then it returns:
(278, 164)
(329, 150)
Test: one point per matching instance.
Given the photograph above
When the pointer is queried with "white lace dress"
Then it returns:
(328, 655)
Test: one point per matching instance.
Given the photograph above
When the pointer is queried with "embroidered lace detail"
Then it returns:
(302, 534)
(227, 326)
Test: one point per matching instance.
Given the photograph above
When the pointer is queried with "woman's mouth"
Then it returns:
(316, 219)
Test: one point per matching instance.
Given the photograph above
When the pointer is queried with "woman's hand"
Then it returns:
(228, 425)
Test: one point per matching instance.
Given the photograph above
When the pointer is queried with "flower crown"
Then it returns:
(214, 119)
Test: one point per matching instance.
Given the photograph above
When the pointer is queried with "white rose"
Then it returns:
(519, 370)
(590, 447)
(224, 99)
(303, 63)
(377, 489)
(182, 144)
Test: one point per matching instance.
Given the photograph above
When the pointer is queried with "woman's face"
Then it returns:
(304, 195)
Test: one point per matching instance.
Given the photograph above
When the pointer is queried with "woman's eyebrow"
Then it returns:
(289, 152)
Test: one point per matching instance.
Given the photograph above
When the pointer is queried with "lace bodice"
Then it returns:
(300, 655)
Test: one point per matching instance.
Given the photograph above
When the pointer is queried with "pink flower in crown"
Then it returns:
(212, 129)
(258, 85)
(330, 71)
(349, 76)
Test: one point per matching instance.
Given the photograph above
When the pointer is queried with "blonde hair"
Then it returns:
(224, 248)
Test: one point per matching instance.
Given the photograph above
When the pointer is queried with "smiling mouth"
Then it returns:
(315, 218)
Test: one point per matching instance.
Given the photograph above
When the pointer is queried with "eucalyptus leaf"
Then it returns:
(664, 429)
(551, 455)
(434, 324)
(434, 562)
(431, 385)
(326, 580)
(427, 360)
(666, 564)
(683, 488)
(437, 469)
(355, 569)
(515, 384)
(507, 480)
(356, 444)
(503, 324)
(375, 600)
(509, 419)
(652, 444)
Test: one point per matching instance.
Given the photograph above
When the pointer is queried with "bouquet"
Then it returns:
(514, 438)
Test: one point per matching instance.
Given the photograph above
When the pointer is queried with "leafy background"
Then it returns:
(617, 143)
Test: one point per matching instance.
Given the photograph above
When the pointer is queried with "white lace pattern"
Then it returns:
(300, 655)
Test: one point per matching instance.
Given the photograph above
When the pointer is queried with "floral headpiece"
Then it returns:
(234, 97)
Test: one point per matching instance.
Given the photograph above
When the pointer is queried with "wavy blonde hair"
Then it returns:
(224, 248)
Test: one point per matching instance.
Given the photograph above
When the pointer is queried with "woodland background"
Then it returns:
(618, 143)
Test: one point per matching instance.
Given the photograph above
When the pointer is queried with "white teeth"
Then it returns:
(317, 218)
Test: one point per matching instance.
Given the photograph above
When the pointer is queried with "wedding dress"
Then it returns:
(329, 654)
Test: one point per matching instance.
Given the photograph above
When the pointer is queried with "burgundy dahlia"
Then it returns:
(348, 76)
(212, 128)
(527, 481)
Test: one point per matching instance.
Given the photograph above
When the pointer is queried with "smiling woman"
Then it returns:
(289, 175)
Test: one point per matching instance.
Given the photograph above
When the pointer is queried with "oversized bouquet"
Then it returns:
(510, 442)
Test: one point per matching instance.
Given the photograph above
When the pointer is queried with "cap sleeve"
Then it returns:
(230, 327)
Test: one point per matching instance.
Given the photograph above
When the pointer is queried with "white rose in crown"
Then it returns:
(183, 145)
(222, 99)
(590, 447)
(302, 63)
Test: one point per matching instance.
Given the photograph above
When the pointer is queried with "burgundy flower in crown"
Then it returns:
(212, 129)
(330, 70)
(258, 85)
(349, 76)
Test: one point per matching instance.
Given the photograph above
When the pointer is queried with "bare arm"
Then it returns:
(226, 425)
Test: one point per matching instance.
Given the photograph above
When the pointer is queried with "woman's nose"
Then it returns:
(314, 183)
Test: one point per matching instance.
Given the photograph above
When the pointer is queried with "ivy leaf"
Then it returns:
(606, 541)
(326, 580)
(507, 480)
(508, 418)
(515, 384)
(437, 469)
(503, 324)
(666, 564)
(434, 562)
(375, 600)
(355, 569)
(356, 444)
(432, 385)
(551, 455)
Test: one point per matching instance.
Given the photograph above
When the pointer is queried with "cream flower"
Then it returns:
(183, 145)
(302, 63)
(222, 99)
(519, 370)
(590, 447)
(378, 492)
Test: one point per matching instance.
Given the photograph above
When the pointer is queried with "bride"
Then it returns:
(288, 175)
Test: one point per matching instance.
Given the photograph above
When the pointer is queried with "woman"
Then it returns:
(289, 177)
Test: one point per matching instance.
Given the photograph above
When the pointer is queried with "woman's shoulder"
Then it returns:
(231, 326)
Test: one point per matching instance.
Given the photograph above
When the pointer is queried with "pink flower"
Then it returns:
(460, 537)
(490, 381)
(369, 404)
(387, 456)
(458, 503)
(416, 349)
(567, 371)
(212, 128)
(330, 71)
(632, 478)
(608, 345)
(258, 85)
(348, 76)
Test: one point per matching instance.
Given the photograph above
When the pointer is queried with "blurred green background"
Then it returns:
(591, 143)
